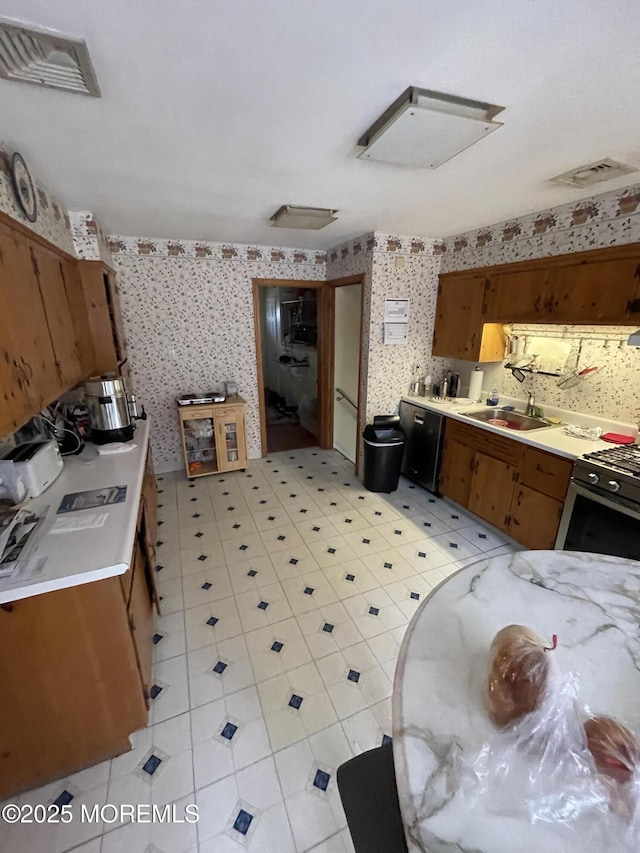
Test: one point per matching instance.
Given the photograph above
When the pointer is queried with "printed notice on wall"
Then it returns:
(396, 310)
(396, 321)
(395, 333)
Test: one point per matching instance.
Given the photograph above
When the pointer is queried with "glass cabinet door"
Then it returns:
(229, 438)
(200, 446)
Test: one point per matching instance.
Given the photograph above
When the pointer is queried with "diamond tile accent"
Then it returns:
(154, 691)
(295, 702)
(203, 557)
(293, 561)
(353, 675)
(281, 538)
(228, 731)
(262, 502)
(196, 515)
(243, 822)
(252, 573)
(426, 523)
(156, 639)
(388, 565)
(63, 799)
(366, 541)
(308, 590)
(331, 550)
(377, 512)
(159, 568)
(198, 535)
(455, 516)
(303, 511)
(415, 596)
(271, 517)
(333, 503)
(348, 521)
(263, 605)
(243, 548)
(422, 554)
(350, 577)
(237, 526)
(206, 585)
(230, 508)
(328, 627)
(316, 529)
(398, 532)
(482, 535)
(213, 620)
(386, 739)
(220, 667)
(374, 611)
(321, 780)
(151, 764)
(453, 545)
(277, 646)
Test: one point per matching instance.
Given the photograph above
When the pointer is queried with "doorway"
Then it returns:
(289, 359)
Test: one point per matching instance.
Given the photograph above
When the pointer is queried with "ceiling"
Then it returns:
(213, 114)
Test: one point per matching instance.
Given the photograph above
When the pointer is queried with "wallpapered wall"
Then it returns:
(189, 323)
(53, 221)
(608, 219)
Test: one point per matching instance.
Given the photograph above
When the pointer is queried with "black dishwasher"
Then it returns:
(425, 435)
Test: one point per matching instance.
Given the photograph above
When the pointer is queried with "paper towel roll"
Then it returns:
(475, 385)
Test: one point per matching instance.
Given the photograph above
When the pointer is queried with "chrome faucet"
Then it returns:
(531, 405)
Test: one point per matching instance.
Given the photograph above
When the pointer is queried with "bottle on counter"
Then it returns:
(414, 388)
(454, 382)
(444, 387)
(425, 385)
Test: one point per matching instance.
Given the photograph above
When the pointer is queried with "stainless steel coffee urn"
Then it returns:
(108, 405)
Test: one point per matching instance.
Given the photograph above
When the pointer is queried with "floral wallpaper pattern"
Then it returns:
(89, 239)
(53, 220)
(604, 220)
(190, 325)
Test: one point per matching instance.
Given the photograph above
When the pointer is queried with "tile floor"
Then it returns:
(286, 591)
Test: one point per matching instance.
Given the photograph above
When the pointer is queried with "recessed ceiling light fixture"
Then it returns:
(294, 216)
(46, 58)
(594, 173)
(424, 129)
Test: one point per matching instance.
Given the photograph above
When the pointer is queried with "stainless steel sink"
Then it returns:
(510, 420)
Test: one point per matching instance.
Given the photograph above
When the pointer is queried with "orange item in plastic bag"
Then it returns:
(615, 750)
(518, 673)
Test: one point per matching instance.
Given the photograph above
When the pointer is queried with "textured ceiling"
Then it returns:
(215, 113)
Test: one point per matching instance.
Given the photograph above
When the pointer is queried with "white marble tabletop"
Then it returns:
(591, 601)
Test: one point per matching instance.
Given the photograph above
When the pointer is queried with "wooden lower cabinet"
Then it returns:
(492, 490)
(214, 437)
(71, 686)
(534, 518)
(516, 488)
(140, 612)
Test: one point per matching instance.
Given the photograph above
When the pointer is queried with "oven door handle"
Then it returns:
(605, 500)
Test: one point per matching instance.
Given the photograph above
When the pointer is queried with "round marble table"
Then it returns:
(591, 601)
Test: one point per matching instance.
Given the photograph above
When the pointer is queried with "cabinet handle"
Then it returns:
(28, 367)
(543, 471)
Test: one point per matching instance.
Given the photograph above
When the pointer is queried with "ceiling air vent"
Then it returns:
(594, 173)
(46, 58)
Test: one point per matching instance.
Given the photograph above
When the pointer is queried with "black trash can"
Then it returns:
(384, 442)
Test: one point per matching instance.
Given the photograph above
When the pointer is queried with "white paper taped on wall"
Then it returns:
(396, 311)
(396, 333)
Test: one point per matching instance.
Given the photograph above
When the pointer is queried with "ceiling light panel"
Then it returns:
(46, 59)
(310, 218)
(424, 129)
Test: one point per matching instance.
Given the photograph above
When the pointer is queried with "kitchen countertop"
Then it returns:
(439, 717)
(552, 438)
(62, 560)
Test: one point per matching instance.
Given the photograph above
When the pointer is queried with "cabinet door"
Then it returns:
(545, 472)
(519, 296)
(597, 292)
(59, 320)
(458, 325)
(79, 317)
(456, 471)
(230, 439)
(29, 369)
(141, 617)
(534, 518)
(491, 491)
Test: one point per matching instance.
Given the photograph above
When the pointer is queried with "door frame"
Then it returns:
(324, 440)
(329, 375)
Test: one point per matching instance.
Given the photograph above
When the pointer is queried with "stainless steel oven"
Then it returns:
(602, 510)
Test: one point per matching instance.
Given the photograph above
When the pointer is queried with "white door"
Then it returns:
(346, 364)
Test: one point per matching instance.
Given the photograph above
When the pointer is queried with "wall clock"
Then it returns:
(23, 187)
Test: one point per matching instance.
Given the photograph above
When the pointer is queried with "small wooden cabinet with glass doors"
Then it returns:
(213, 437)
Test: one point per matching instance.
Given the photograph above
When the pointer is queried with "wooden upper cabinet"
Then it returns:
(459, 330)
(59, 318)
(604, 291)
(517, 296)
(29, 376)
